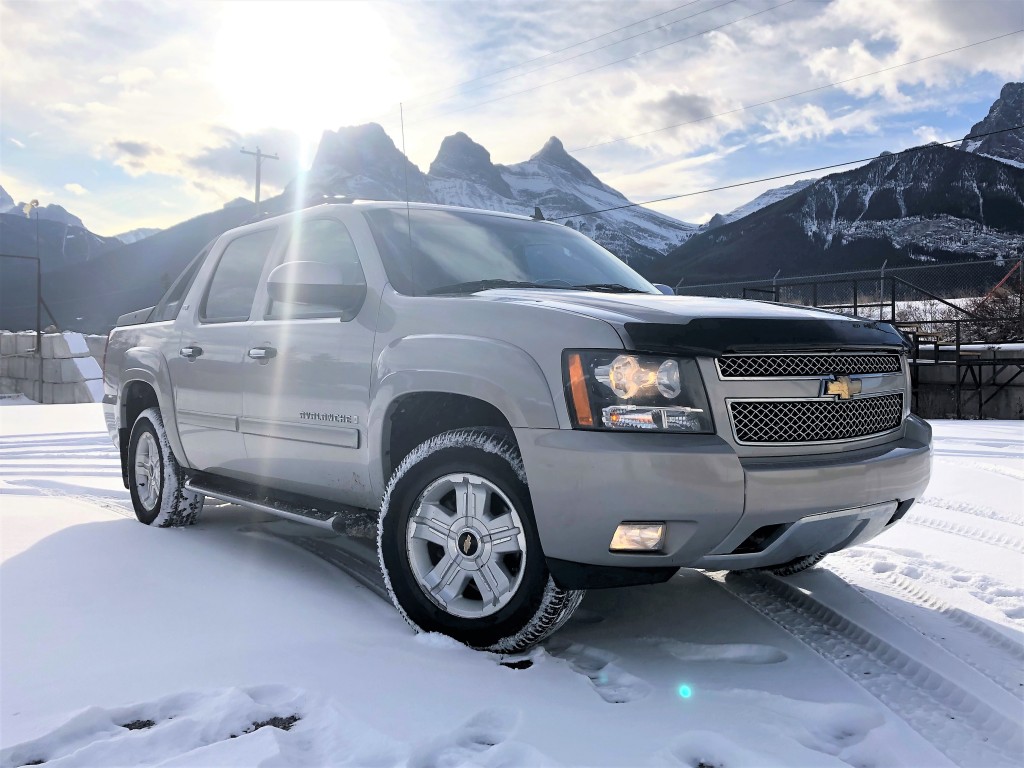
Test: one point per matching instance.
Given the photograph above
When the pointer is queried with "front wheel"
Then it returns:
(155, 479)
(459, 548)
(795, 566)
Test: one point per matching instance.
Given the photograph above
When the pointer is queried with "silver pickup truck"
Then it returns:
(518, 414)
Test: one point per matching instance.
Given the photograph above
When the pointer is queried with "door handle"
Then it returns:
(262, 353)
(191, 352)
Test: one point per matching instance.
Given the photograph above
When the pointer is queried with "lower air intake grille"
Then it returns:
(810, 364)
(814, 421)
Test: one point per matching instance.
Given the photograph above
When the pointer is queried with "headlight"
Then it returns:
(625, 391)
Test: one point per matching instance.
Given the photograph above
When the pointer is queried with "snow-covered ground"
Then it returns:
(905, 652)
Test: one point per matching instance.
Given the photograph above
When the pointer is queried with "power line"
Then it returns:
(592, 50)
(793, 95)
(784, 175)
(569, 48)
(618, 61)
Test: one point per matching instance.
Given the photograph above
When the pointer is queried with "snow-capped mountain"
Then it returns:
(933, 204)
(362, 161)
(761, 201)
(134, 235)
(1006, 112)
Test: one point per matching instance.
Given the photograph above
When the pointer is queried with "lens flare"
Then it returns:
(685, 692)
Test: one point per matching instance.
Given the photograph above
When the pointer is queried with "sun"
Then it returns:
(305, 66)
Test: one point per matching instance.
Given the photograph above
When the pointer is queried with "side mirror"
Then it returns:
(313, 282)
(667, 290)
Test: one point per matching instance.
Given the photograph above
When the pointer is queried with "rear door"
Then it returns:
(307, 382)
(206, 369)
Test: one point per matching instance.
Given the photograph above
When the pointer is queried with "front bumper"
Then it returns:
(721, 511)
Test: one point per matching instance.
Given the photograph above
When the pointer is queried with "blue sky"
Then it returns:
(133, 114)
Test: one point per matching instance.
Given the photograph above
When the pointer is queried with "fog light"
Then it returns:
(638, 537)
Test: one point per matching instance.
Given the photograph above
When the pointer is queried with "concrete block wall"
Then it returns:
(69, 367)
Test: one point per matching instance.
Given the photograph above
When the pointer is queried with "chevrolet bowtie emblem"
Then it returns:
(844, 387)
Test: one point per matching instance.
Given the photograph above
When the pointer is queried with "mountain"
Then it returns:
(6, 201)
(363, 161)
(89, 295)
(134, 235)
(761, 201)
(1006, 112)
(933, 204)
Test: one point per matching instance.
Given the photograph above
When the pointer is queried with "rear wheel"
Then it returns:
(459, 548)
(155, 479)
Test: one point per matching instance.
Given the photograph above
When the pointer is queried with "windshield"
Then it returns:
(437, 251)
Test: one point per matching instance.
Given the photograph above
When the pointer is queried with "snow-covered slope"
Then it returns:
(761, 201)
(362, 161)
(134, 235)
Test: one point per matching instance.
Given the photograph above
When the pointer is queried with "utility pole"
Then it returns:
(260, 157)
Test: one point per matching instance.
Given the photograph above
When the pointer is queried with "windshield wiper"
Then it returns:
(608, 288)
(473, 286)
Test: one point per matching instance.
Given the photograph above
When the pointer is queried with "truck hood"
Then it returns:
(701, 325)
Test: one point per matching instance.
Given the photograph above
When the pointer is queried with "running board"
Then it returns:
(336, 518)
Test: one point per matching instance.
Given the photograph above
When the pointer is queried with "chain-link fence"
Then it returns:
(927, 296)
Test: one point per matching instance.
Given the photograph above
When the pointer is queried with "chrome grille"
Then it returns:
(809, 364)
(814, 421)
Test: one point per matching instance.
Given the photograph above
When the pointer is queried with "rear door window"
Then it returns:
(233, 287)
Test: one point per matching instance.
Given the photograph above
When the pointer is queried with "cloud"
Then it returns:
(76, 189)
(682, 107)
(225, 159)
(139, 149)
(18, 144)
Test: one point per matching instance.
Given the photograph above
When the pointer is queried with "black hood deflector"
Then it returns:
(717, 336)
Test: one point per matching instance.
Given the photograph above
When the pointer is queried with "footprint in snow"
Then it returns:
(612, 683)
(738, 653)
(483, 740)
(157, 731)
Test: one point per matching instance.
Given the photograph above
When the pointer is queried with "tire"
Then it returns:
(155, 479)
(794, 566)
(491, 585)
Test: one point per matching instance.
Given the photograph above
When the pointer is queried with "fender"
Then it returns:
(493, 371)
(146, 364)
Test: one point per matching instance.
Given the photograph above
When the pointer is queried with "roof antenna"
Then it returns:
(408, 213)
(538, 214)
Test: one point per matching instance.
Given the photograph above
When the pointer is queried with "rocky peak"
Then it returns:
(553, 153)
(363, 161)
(462, 158)
(1006, 112)
(6, 201)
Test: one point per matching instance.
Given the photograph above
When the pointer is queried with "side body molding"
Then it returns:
(493, 371)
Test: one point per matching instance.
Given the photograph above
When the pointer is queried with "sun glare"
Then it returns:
(307, 66)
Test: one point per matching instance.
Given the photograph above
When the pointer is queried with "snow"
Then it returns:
(908, 651)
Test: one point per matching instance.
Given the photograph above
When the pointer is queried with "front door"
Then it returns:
(307, 381)
(207, 367)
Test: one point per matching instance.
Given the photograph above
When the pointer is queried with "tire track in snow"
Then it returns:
(977, 510)
(971, 532)
(995, 643)
(964, 728)
(995, 469)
